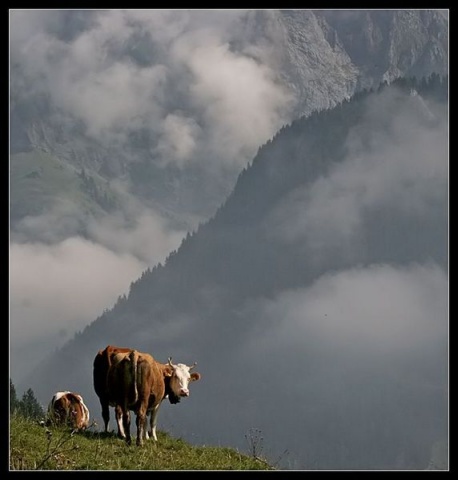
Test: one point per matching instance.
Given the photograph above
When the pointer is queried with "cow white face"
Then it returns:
(181, 378)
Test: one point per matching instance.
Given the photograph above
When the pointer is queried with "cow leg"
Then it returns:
(105, 414)
(147, 435)
(149, 431)
(120, 421)
(154, 412)
(141, 424)
(126, 424)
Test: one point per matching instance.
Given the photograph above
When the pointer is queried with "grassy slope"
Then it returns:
(35, 447)
(38, 180)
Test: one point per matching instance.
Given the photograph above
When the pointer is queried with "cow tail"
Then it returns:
(133, 357)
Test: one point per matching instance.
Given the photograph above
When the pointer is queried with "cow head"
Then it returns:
(78, 412)
(68, 408)
(76, 418)
(178, 384)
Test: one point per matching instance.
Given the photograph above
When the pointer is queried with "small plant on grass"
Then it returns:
(255, 442)
(256, 446)
(56, 450)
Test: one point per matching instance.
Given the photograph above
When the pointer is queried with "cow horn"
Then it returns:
(193, 365)
(170, 361)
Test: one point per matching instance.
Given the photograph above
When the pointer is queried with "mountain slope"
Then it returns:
(315, 300)
(43, 185)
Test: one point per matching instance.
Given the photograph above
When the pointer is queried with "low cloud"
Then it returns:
(163, 71)
(397, 159)
(60, 284)
(57, 290)
(377, 309)
(241, 104)
(178, 139)
(146, 236)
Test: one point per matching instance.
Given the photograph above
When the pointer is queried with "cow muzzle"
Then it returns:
(184, 392)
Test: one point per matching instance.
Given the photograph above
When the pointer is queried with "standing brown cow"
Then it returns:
(136, 381)
(102, 363)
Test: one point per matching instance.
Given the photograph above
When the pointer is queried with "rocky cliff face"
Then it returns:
(327, 55)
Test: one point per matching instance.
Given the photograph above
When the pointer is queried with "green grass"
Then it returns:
(39, 180)
(37, 447)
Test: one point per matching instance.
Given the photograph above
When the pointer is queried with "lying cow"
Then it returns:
(102, 363)
(137, 382)
(68, 408)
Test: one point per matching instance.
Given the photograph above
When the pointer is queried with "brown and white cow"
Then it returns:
(68, 408)
(137, 382)
(102, 363)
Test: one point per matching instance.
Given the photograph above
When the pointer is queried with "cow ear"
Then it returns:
(195, 376)
(167, 371)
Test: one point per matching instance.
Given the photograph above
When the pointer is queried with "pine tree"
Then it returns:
(29, 406)
(14, 402)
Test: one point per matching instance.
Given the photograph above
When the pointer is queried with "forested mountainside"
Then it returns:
(79, 121)
(314, 300)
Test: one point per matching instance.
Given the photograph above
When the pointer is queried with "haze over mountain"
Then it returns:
(189, 183)
(129, 128)
(314, 301)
